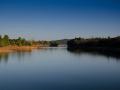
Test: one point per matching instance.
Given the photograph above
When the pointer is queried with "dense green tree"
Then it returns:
(0, 41)
(6, 40)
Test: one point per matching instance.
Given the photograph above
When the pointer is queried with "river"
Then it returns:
(59, 69)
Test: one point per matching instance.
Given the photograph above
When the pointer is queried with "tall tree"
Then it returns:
(0, 41)
(19, 41)
(6, 40)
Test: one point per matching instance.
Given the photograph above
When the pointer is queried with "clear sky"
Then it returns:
(58, 19)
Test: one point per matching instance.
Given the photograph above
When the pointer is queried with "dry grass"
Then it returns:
(17, 48)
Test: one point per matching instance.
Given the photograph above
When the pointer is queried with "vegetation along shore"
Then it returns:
(95, 44)
(19, 44)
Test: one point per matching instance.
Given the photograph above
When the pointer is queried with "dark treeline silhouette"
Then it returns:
(60, 42)
(109, 44)
(53, 44)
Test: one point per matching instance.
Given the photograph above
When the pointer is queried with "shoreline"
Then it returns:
(8, 49)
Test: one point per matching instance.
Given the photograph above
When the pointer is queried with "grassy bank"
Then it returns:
(17, 48)
(20, 44)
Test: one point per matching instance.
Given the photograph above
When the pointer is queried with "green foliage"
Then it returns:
(4, 41)
(0, 40)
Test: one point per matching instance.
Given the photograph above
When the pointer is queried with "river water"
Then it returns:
(59, 69)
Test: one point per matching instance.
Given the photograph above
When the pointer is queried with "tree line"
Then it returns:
(6, 41)
(94, 42)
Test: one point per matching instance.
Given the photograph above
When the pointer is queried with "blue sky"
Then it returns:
(58, 19)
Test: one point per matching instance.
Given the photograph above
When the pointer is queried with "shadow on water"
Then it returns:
(107, 54)
(19, 54)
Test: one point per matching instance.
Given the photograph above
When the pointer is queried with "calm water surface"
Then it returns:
(58, 69)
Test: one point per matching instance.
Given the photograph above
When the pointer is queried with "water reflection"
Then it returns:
(52, 48)
(106, 54)
(4, 57)
(19, 55)
(58, 69)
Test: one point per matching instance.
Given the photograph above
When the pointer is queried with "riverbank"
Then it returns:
(95, 44)
(18, 48)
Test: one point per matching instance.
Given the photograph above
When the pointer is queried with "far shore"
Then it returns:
(18, 48)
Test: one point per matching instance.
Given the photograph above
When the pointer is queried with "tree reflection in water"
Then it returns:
(19, 54)
(4, 57)
(105, 53)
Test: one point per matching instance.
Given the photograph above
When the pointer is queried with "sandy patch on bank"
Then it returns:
(17, 48)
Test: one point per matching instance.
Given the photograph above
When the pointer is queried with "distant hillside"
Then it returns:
(61, 42)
